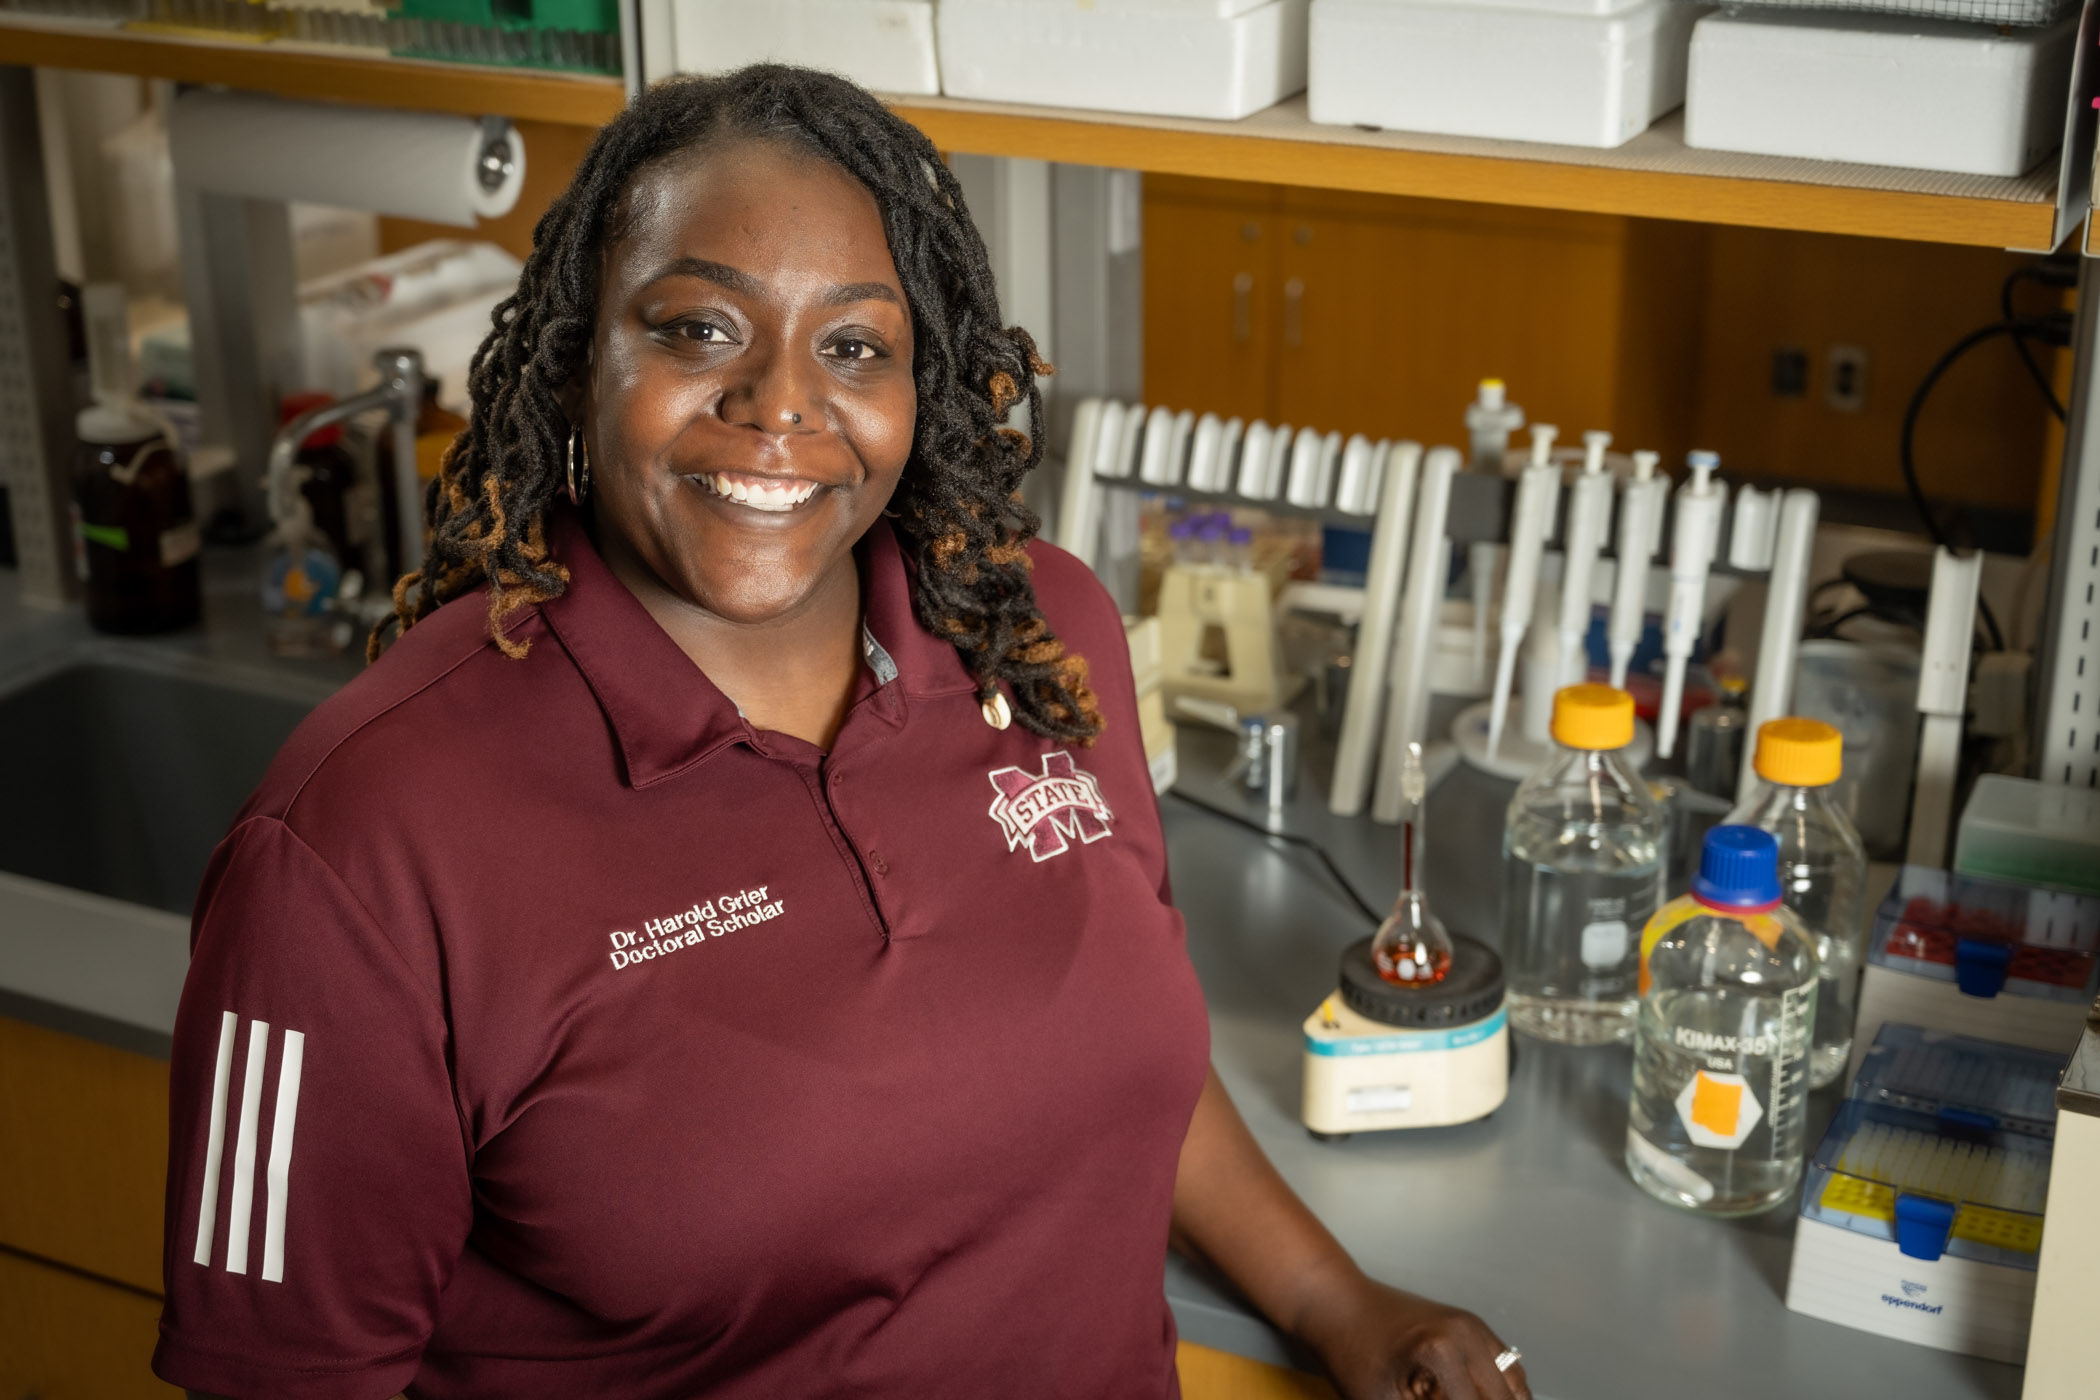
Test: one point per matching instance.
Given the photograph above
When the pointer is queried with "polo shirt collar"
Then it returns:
(665, 714)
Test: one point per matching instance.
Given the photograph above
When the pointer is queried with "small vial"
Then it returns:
(1181, 540)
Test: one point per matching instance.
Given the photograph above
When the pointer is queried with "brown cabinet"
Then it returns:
(1377, 315)
(83, 1156)
(67, 1337)
(83, 1166)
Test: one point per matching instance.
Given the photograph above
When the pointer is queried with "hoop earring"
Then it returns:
(579, 482)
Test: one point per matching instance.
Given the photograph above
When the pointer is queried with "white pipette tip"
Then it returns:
(1542, 435)
(1498, 707)
(1493, 393)
(1644, 465)
(1593, 444)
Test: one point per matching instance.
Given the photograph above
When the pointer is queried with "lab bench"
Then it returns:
(1526, 1217)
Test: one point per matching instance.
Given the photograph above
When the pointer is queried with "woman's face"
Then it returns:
(749, 406)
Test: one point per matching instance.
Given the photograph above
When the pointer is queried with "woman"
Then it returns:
(731, 956)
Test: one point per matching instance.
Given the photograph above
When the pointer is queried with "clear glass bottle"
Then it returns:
(1582, 861)
(1720, 1056)
(1713, 750)
(1822, 870)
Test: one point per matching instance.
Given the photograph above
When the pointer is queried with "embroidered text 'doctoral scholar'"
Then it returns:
(723, 914)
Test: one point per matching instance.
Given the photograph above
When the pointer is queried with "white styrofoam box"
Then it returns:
(1879, 90)
(1178, 58)
(887, 45)
(1954, 1304)
(1576, 77)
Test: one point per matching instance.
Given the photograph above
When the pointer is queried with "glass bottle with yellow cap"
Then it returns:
(1582, 860)
(1822, 869)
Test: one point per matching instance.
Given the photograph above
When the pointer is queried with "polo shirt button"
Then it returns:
(880, 865)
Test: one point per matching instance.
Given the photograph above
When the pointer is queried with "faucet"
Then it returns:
(400, 393)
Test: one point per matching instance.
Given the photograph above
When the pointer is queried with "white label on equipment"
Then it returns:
(1604, 943)
(179, 544)
(1379, 1098)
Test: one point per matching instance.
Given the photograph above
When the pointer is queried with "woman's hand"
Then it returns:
(1382, 1344)
(1231, 1208)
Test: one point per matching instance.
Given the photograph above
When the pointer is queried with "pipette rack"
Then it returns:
(1350, 481)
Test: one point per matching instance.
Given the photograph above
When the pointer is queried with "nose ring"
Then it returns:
(794, 418)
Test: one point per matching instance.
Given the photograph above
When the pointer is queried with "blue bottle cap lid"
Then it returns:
(1738, 868)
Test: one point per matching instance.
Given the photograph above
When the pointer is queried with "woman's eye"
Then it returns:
(706, 332)
(855, 350)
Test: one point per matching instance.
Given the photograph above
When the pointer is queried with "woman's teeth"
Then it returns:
(758, 492)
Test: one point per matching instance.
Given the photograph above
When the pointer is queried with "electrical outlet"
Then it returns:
(1845, 378)
(1789, 372)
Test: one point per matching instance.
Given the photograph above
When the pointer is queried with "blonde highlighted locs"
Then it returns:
(959, 515)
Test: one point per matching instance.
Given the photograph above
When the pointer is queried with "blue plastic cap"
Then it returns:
(1923, 1224)
(1738, 867)
(1981, 966)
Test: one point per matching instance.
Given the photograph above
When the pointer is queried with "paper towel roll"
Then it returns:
(415, 165)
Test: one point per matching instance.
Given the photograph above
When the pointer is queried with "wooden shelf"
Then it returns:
(315, 72)
(1654, 176)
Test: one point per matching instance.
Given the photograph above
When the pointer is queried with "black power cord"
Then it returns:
(2049, 274)
(1289, 839)
(2052, 329)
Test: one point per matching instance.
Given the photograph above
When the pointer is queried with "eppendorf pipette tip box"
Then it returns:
(1921, 1211)
(2005, 963)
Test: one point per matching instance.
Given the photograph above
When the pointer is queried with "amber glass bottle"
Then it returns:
(138, 532)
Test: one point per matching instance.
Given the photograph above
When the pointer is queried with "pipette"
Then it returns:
(1640, 525)
(1538, 501)
(1589, 516)
(1696, 532)
(1490, 419)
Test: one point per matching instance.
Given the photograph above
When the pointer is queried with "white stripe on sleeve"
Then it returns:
(281, 1154)
(215, 1144)
(241, 1208)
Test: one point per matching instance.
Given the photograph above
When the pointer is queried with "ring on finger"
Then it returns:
(1507, 1357)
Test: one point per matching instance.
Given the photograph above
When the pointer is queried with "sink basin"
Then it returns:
(121, 776)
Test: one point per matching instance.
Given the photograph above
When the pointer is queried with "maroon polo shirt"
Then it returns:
(551, 1031)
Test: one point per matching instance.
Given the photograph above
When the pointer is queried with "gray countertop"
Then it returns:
(1526, 1217)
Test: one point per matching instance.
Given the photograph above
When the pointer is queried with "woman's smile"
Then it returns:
(773, 495)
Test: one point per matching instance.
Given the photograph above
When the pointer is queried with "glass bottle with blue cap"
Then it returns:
(1721, 1040)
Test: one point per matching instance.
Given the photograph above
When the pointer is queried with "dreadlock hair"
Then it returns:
(959, 515)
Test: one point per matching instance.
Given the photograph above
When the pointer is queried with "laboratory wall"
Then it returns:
(1378, 314)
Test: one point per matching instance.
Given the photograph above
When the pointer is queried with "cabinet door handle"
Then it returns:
(1243, 307)
(1294, 313)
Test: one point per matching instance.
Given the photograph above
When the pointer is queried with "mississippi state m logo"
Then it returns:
(1044, 811)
